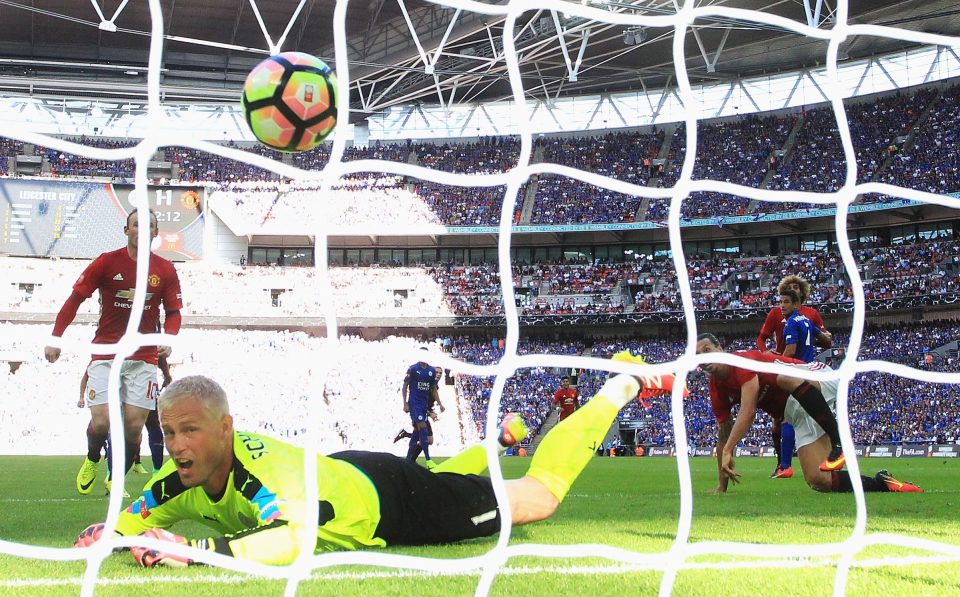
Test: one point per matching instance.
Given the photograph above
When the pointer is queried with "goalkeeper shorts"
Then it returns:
(418, 507)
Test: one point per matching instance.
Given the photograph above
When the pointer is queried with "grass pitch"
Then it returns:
(627, 503)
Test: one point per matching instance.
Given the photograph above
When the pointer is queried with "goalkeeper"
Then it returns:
(250, 489)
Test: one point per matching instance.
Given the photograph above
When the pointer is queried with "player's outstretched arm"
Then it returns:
(723, 434)
(64, 318)
(275, 544)
(748, 411)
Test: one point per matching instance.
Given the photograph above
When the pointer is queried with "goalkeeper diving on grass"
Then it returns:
(249, 488)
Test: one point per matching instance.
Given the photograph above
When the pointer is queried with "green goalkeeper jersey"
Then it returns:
(264, 506)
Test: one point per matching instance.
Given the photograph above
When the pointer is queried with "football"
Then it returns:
(290, 101)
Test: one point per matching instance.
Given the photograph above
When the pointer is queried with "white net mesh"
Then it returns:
(682, 553)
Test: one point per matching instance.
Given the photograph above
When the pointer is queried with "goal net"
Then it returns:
(683, 553)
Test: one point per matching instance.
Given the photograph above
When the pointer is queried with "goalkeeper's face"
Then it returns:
(199, 442)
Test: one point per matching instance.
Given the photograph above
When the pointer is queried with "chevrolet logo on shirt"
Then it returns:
(129, 294)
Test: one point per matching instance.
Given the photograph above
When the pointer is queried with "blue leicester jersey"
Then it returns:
(420, 380)
(800, 331)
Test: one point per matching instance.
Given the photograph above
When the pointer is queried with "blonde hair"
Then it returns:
(805, 287)
(208, 392)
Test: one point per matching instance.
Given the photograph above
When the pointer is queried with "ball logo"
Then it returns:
(308, 91)
(154, 280)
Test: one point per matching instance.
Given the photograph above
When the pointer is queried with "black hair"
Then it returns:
(791, 294)
(708, 336)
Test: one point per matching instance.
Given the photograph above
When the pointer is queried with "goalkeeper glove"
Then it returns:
(148, 558)
(89, 536)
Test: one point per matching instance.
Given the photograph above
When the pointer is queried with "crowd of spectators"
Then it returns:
(9, 148)
(897, 138)
(625, 156)
(548, 288)
(931, 163)
(884, 408)
(337, 393)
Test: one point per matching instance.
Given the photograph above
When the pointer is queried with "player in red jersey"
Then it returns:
(114, 275)
(773, 326)
(771, 393)
(774, 323)
(565, 398)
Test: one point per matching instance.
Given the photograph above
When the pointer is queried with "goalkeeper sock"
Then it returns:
(471, 461)
(95, 443)
(812, 401)
(568, 447)
(840, 482)
(787, 443)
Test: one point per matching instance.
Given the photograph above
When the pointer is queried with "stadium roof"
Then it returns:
(99, 48)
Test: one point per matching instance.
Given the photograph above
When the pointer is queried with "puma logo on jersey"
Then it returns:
(118, 277)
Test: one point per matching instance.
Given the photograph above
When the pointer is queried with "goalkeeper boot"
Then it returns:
(650, 385)
(86, 476)
(892, 484)
(513, 430)
(834, 461)
(108, 483)
(138, 468)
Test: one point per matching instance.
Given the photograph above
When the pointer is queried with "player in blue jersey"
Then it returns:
(799, 334)
(419, 393)
(413, 447)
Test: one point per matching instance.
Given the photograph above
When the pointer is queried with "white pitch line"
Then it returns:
(41, 500)
(233, 579)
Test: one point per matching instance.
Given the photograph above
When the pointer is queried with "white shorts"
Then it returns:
(138, 383)
(807, 430)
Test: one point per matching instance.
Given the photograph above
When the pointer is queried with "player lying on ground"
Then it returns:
(772, 394)
(250, 488)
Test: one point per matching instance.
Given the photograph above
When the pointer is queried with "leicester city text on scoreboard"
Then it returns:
(84, 219)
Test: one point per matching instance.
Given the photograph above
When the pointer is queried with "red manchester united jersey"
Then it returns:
(775, 322)
(114, 274)
(567, 399)
(724, 393)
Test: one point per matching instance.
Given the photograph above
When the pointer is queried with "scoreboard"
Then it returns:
(48, 218)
